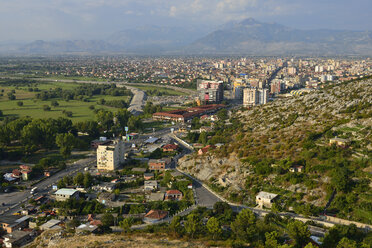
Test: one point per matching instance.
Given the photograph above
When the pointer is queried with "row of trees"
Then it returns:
(84, 91)
(271, 232)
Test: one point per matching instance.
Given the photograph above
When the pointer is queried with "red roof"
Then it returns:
(207, 148)
(156, 214)
(24, 167)
(96, 222)
(170, 146)
(174, 192)
(16, 172)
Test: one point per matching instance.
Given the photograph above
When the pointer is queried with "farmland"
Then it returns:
(33, 107)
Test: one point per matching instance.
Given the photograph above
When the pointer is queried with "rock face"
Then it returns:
(226, 171)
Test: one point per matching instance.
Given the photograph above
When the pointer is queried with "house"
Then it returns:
(157, 196)
(159, 164)
(296, 169)
(173, 194)
(339, 142)
(12, 223)
(154, 216)
(87, 228)
(16, 173)
(65, 194)
(105, 186)
(50, 225)
(170, 148)
(17, 238)
(150, 185)
(106, 197)
(205, 129)
(26, 174)
(148, 176)
(265, 199)
(25, 171)
(205, 149)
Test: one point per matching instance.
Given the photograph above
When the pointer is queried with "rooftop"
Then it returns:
(266, 195)
(65, 191)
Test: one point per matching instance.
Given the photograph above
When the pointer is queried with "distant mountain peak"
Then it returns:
(249, 21)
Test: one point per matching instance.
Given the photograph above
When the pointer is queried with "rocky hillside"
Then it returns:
(277, 138)
(62, 239)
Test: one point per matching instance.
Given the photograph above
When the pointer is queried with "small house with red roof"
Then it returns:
(16, 173)
(170, 148)
(173, 195)
(154, 216)
(205, 149)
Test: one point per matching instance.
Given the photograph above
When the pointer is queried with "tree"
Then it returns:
(135, 123)
(192, 224)
(79, 179)
(61, 184)
(11, 96)
(72, 224)
(299, 232)
(65, 141)
(107, 220)
(310, 245)
(222, 114)
(203, 138)
(347, 243)
(67, 180)
(271, 239)
(46, 108)
(340, 179)
(105, 118)
(87, 180)
(126, 224)
(176, 226)
(54, 103)
(122, 117)
(214, 227)
(244, 225)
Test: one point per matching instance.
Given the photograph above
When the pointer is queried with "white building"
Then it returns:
(265, 199)
(254, 96)
(111, 155)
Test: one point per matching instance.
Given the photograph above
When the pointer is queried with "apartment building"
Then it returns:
(210, 91)
(253, 96)
(110, 155)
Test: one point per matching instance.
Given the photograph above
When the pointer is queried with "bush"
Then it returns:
(46, 108)
(20, 103)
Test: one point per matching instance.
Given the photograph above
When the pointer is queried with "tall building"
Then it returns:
(210, 91)
(110, 155)
(291, 70)
(254, 96)
(250, 97)
(276, 87)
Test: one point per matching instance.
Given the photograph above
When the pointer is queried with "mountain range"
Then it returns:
(247, 37)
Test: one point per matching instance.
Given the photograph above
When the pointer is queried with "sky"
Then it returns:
(29, 20)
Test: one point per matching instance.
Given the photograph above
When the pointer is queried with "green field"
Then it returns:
(34, 107)
(165, 91)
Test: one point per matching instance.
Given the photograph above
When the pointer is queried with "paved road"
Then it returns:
(14, 200)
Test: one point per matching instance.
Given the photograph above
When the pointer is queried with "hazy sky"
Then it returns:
(27, 20)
